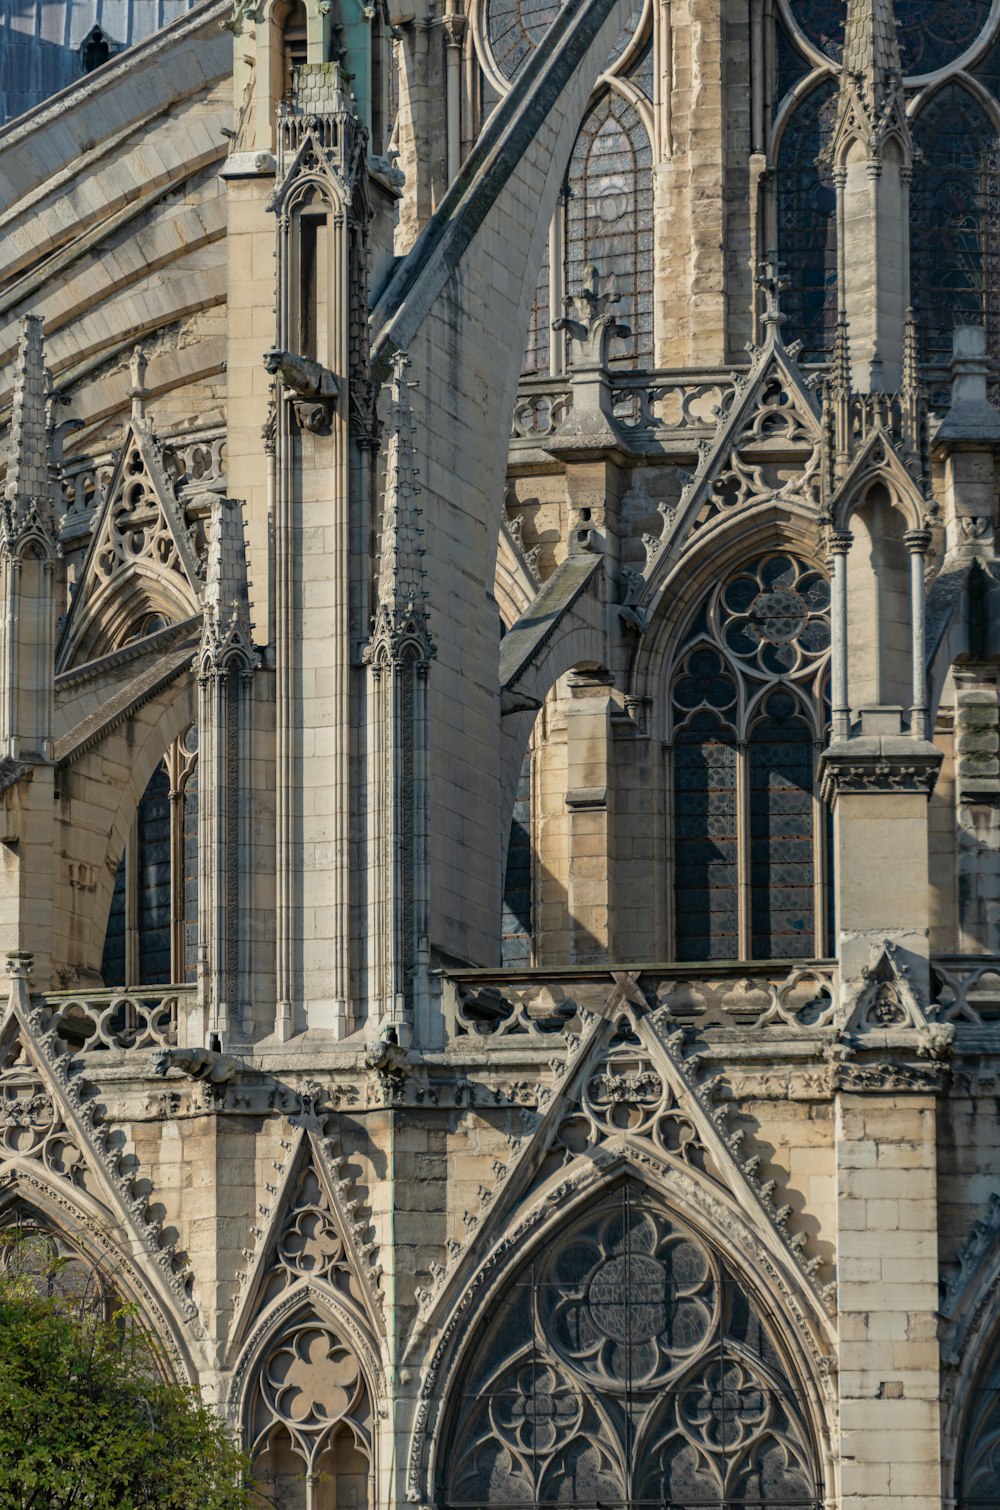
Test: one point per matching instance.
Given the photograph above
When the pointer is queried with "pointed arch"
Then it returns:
(690, 1234)
(307, 1392)
(609, 219)
(806, 221)
(67, 1214)
(954, 208)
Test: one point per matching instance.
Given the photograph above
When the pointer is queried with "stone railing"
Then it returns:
(966, 988)
(540, 1004)
(140, 1017)
(192, 461)
(648, 406)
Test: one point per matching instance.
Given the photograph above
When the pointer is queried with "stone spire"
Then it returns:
(227, 633)
(28, 462)
(402, 592)
(871, 61)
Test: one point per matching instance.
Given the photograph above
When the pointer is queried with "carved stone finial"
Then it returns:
(138, 362)
(770, 278)
(227, 637)
(592, 324)
(28, 464)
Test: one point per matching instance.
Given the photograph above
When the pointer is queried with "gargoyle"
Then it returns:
(306, 378)
(200, 1064)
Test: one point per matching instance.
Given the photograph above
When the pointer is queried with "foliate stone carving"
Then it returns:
(980, 1243)
(849, 773)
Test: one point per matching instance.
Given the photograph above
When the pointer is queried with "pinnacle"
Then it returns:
(871, 53)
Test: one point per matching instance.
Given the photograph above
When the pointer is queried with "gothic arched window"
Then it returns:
(625, 1364)
(309, 1422)
(609, 218)
(807, 224)
(978, 1482)
(955, 218)
(932, 33)
(516, 920)
(152, 932)
(747, 700)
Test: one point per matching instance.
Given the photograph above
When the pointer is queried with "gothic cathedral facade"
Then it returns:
(499, 734)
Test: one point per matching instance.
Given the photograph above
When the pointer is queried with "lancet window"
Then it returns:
(748, 720)
(309, 1422)
(516, 920)
(627, 1365)
(152, 933)
(978, 1485)
(807, 223)
(955, 220)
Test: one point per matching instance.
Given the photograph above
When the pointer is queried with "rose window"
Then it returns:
(624, 1366)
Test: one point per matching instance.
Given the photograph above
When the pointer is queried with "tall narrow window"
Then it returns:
(955, 221)
(515, 926)
(749, 713)
(609, 219)
(294, 43)
(152, 932)
(807, 224)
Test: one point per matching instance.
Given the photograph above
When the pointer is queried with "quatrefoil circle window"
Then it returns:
(776, 613)
(626, 1365)
(514, 28)
(932, 33)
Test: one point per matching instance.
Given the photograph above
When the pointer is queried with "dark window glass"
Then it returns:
(113, 963)
(823, 23)
(154, 881)
(515, 28)
(641, 72)
(515, 927)
(789, 63)
(955, 222)
(609, 221)
(626, 1365)
(932, 33)
(782, 922)
(807, 224)
(191, 876)
(706, 840)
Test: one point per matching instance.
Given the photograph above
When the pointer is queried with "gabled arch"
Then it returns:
(90, 1228)
(572, 1193)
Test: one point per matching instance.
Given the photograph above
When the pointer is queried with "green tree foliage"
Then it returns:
(88, 1419)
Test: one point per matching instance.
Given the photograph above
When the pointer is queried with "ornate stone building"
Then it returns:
(499, 635)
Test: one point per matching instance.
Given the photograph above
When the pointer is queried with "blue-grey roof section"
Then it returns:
(41, 41)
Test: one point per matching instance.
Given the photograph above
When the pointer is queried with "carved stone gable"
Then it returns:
(141, 549)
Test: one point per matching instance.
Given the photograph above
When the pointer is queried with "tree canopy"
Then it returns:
(89, 1418)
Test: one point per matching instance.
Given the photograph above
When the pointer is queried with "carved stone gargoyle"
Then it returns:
(199, 1064)
(311, 387)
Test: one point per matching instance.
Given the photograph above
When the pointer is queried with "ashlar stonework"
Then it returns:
(499, 736)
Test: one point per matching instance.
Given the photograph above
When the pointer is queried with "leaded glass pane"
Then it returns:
(514, 29)
(536, 347)
(932, 33)
(706, 840)
(515, 923)
(626, 1366)
(782, 921)
(154, 880)
(113, 962)
(609, 218)
(807, 224)
(955, 222)
(979, 1463)
(191, 876)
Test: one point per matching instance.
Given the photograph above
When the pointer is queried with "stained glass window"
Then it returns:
(152, 931)
(514, 29)
(626, 1365)
(609, 218)
(743, 781)
(515, 926)
(536, 347)
(807, 224)
(932, 33)
(782, 893)
(979, 1462)
(955, 221)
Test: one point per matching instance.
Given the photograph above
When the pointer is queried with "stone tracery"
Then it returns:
(628, 1364)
